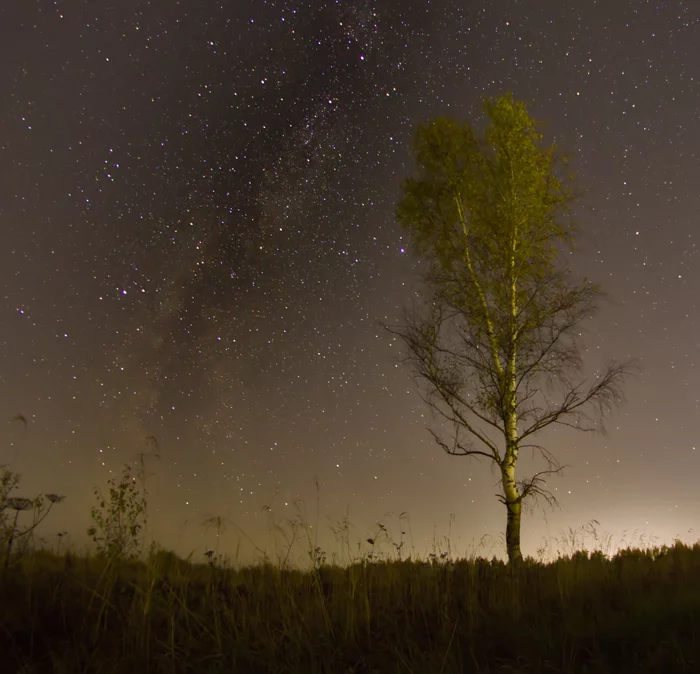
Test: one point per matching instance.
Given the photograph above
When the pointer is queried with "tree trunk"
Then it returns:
(513, 505)
(513, 533)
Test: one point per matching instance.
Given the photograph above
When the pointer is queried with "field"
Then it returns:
(638, 611)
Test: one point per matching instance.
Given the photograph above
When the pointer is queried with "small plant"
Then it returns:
(60, 536)
(119, 518)
(18, 504)
(214, 560)
(8, 483)
(317, 557)
(142, 475)
(9, 523)
(218, 523)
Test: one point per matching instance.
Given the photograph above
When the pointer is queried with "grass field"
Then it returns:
(638, 611)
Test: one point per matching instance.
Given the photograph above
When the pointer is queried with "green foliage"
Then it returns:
(497, 194)
(490, 213)
(119, 518)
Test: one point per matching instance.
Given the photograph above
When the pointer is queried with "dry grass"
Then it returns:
(636, 612)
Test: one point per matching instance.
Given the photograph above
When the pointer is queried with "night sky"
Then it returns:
(198, 243)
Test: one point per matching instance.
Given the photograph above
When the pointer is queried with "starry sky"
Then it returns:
(198, 243)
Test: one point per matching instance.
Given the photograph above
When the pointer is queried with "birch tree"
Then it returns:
(496, 343)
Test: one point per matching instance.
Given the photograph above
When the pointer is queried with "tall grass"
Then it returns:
(638, 611)
(375, 608)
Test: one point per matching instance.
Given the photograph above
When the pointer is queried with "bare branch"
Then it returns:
(457, 449)
(603, 396)
(534, 488)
